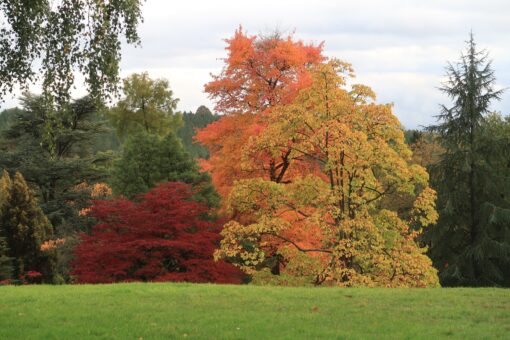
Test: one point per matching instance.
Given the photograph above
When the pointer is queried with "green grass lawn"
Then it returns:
(163, 311)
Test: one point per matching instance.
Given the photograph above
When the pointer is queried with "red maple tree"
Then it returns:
(161, 237)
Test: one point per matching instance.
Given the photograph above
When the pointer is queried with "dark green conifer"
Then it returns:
(5, 260)
(470, 245)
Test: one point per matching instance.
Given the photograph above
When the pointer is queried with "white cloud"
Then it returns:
(399, 47)
(411, 109)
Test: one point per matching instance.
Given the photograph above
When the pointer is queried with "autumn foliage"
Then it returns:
(161, 237)
(317, 184)
(259, 73)
(24, 228)
(315, 174)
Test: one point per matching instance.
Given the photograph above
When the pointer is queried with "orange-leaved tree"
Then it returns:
(350, 214)
(260, 72)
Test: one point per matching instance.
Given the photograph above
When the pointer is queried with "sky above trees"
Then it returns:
(397, 47)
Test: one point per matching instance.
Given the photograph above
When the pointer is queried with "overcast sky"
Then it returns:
(399, 48)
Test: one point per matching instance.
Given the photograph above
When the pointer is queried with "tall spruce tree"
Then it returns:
(470, 245)
(25, 227)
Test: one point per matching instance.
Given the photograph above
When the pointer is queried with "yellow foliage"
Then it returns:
(52, 244)
(95, 191)
(334, 218)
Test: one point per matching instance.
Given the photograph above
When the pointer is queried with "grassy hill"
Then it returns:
(164, 311)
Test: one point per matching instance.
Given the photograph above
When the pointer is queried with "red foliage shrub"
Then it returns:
(33, 277)
(28, 278)
(162, 237)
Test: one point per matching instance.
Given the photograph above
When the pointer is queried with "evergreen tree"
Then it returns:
(192, 122)
(149, 159)
(55, 163)
(25, 228)
(7, 117)
(470, 245)
(412, 136)
(5, 260)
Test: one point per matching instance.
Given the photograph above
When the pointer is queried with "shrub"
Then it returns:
(162, 236)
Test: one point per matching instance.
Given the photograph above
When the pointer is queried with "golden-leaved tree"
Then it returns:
(352, 202)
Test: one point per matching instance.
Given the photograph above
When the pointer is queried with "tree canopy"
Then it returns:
(300, 177)
(65, 37)
(337, 214)
(7, 117)
(54, 163)
(149, 159)
(259, 73)
(148, 105)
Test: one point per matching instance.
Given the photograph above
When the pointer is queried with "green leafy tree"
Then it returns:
(470, 245)
(64, 37)
(148, 105)
(25, 228)
(193, 121)
(149, 159)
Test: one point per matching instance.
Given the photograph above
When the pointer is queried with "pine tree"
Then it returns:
(470, 245)
(25, 228)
